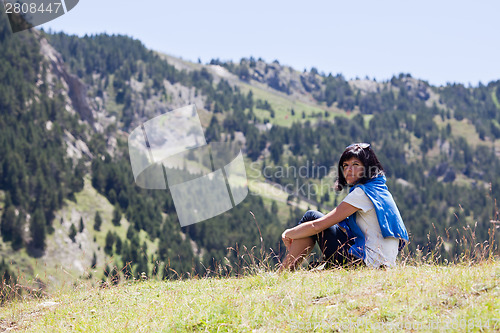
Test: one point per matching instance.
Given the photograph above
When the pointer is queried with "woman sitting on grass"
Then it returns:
(365, 228)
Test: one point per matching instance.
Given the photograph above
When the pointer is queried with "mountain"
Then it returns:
(68, 198)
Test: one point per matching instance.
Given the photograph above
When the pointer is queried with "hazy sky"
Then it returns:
(439, 41)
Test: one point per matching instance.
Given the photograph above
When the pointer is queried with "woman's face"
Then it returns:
(353, 170)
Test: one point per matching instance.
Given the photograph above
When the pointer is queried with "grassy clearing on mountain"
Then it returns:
(283, 107)
(461, 128)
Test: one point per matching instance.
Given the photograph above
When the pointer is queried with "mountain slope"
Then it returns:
(68, 104)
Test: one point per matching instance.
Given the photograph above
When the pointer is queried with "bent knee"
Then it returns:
(310, 215)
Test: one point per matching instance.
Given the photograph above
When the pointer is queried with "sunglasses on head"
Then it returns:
(362, 145)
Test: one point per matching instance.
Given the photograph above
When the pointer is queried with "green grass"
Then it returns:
(419, 297)
(463, 128)
(367, 118)
(283, 104)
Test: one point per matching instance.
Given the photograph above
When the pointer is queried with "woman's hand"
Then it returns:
(287, 240)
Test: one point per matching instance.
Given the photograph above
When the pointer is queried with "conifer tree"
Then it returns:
(97, 221)
(110, 239)
(123, 200)
(125, 252)
(17, 233)
(72, 232)
(112, 196)
(213, 131)
(117, 215)
(134, 252)
(82, 226)
(274, 208)
(7, 224)
(118, 244)
(37, 229)
(77, 181)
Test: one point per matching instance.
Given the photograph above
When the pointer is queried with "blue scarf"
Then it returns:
(389, 219)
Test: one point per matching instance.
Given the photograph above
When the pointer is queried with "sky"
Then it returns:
(439, 41)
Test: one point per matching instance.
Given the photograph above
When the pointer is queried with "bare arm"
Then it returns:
(313, 227)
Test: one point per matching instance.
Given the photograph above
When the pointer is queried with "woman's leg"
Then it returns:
(302, 247)
(334, 245)
(297, 252)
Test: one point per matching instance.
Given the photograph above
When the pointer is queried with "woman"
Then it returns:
(366, 226)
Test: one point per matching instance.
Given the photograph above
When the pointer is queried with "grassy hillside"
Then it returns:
(65, 260)
(418, 297)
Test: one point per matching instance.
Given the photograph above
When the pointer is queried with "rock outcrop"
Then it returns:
(77, 91)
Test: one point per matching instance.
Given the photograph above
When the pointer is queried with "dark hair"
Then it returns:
(366, 155)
